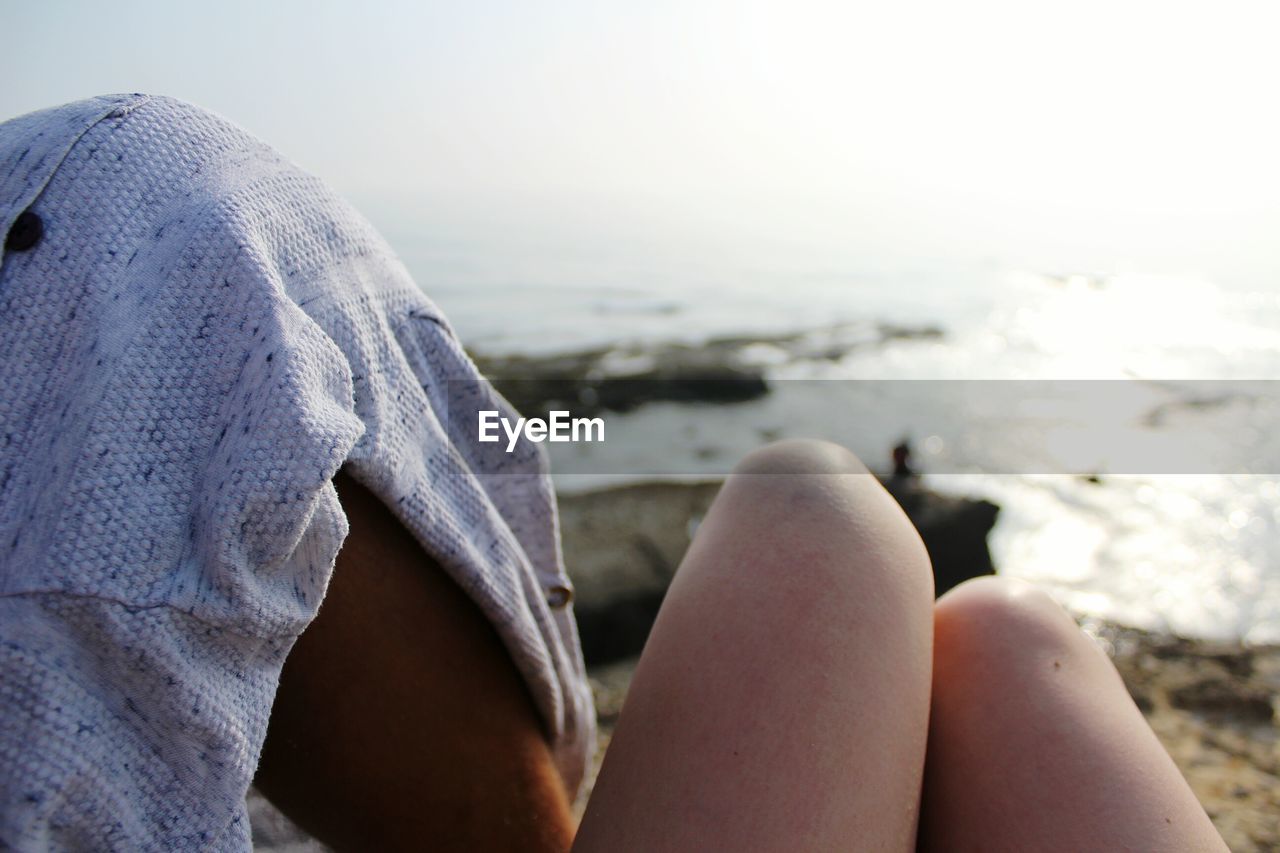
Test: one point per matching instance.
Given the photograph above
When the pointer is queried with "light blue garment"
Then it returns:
(201, 338)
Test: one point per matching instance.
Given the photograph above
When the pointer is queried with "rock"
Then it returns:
(1224, 698)
(624, 377)
(954, 531)
(622, 546)
(590, 382)
(618, 628)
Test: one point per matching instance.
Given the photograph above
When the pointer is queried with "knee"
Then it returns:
(799, 457)
(1001, 632)
(816, 507)
(798, 484)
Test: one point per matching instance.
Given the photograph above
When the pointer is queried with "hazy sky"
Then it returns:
(1141, 110)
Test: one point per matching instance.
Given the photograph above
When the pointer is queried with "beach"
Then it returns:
(1109, 435)
(1018, 259)
(1211, 703)
(1168, 563)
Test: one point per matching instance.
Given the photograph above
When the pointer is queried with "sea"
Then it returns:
(1108, 386)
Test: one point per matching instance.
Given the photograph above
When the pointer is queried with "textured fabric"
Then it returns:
(203, 336)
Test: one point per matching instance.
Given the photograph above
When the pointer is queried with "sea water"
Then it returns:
(1193, 549)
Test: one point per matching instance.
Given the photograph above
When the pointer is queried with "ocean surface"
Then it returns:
(1185, 538)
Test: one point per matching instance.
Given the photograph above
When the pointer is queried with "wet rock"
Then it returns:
(954, 531)
(587, 383)
(1223, 697)
(625, 377)
(622, 547)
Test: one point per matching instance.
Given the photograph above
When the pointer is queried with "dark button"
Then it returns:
(559, 596)
(25, 232)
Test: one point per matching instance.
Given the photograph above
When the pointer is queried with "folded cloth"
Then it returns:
(196, 335)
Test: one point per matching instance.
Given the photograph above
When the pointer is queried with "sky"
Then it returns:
(1106, 120)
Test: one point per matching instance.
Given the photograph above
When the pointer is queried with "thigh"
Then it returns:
(1034, 744)
(781, 702)
(401, 721)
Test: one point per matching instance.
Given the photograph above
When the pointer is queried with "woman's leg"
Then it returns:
(781, 702)
(401, 722)
(1034, 744)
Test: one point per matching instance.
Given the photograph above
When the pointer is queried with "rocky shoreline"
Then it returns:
(721, 370)
(1213, 705)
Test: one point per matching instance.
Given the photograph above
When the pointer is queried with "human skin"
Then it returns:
(401, 722)
(800, 690)
(1034, 743)
(782, 700)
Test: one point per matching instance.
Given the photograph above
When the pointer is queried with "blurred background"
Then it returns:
(814, 191)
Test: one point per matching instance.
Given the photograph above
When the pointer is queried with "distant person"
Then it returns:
(232, 474)
(902, 459)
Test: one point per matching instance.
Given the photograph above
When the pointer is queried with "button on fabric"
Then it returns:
(25, 232)
(559, 596)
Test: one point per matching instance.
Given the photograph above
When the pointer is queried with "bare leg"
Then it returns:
(782, 700)
(1034, 744)
(401, 722)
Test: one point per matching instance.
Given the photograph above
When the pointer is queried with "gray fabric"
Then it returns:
(203, 336)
